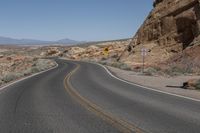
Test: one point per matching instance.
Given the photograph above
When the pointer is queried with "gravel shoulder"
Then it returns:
(159, 82)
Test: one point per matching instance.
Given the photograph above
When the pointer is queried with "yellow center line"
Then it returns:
(122, 125)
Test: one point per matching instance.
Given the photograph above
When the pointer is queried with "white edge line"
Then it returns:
(27, 77)
(148, 88)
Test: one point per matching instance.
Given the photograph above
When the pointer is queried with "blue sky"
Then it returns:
(83, 20)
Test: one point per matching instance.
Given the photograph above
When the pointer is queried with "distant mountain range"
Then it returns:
(12, 41)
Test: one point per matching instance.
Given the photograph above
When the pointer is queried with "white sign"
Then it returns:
(144, 51)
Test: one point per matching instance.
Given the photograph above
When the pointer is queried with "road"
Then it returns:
(41, 104)
(89, 101)
(151, 111)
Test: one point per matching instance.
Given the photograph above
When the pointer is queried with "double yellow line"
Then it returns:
(120, 124)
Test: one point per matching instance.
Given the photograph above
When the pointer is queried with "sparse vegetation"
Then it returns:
(11, 76)
(119, 65)
(151, 71)
(176, 70)
(1, 82)
(198, 85)
(16, 67)
(125, 67)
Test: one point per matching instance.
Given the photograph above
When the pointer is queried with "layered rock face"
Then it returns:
(172, 22)
(171, 26)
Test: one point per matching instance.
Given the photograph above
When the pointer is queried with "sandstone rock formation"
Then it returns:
(171, 27)
(95, 51)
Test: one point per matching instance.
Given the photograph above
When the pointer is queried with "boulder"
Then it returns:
(192, 84)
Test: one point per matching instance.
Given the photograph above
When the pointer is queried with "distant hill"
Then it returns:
(12, 41)
(67, 41)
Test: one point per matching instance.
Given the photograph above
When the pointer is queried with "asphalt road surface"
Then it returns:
(42, 104)
(149, 110)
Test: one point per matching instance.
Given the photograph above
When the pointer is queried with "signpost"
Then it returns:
(105, 51)
(144, 53)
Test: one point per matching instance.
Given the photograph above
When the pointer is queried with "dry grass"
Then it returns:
(198, 85)
(37, 66)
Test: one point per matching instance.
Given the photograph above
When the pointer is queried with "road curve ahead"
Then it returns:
(148, 110)
(41, 104)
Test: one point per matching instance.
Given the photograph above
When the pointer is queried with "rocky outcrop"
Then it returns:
(171, 26)
(51, 51)
(96, 51)
(172, 22)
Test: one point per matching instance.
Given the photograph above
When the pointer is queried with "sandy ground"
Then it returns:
(158, 83)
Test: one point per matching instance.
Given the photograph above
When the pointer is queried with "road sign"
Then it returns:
(105, 51)
(144, 51)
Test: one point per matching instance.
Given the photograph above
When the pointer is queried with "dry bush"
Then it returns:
(198, 84)
(151, 71)
(9, 77)
(38, 65)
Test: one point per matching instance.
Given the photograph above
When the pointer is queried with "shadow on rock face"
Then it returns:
(187, 29)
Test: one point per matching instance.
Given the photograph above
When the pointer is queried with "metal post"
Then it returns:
(143, 58)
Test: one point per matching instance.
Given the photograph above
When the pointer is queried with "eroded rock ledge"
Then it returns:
(172, 22)
(171, 26)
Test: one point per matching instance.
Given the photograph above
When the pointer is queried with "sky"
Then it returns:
(81, 20)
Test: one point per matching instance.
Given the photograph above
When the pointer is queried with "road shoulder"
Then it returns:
(158, 83)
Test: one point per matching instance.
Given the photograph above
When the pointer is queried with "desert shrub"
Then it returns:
(116, 64)
(157, 68)
(34, 70)
(125, 67)
(9, 77)
(121, 65)
(151, 71)
(19, 74)
(175, 71)
(198, 84)
(27, 72)
(43, 64)
(38, 65)
(34, 64)
(35, 59)
(103, 58)
(1, 82)
(115, 56)
(103, 62)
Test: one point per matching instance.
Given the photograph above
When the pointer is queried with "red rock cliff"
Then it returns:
(172, 25)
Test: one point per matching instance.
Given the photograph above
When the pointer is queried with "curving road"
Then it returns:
(91, 101)
(42, 105)
(151, 111)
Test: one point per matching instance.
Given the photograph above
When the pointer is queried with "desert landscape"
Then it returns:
(137, 72)
(170, 36)
(17, 62)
